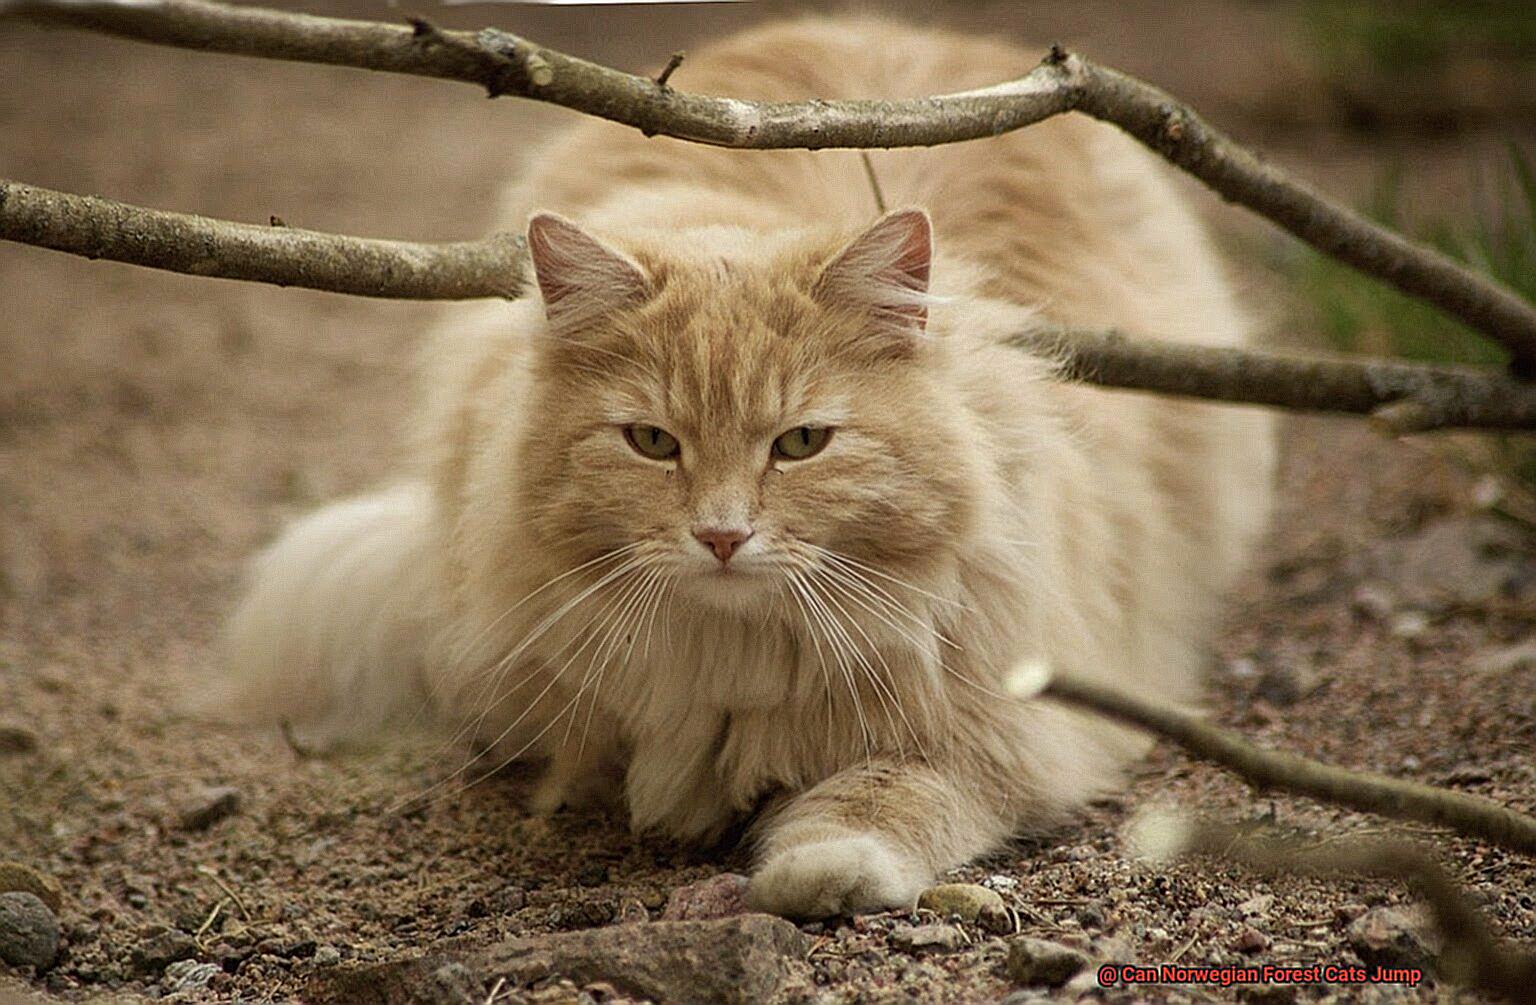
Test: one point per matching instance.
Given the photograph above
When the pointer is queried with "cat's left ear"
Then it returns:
(580, 277)
(885, 270)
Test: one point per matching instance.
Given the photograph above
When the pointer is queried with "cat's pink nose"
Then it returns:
(722, 541)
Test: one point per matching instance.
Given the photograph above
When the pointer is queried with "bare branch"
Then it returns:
(1400, 397)
(503, 63)
(1404, 397)
(1466, 814)
(286, 256)
(1471, 955)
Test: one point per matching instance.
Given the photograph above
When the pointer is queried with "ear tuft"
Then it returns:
(580, 277)
(885, 270)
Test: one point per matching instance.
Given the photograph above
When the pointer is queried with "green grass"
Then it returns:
(1398, 39)
(1497, 236)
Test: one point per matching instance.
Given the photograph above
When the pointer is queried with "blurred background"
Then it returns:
(156, 429)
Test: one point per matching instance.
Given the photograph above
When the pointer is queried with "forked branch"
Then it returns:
(503, 63)
(1277, 770)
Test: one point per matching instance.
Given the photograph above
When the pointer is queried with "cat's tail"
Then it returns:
(333, 630)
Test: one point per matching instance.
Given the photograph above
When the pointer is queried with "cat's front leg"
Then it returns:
(871, 838)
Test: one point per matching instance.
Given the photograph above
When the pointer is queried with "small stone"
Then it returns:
(721, 896)
(927, 938)
(188, 975)
(1392, 937)
(160, 950)
(208, 806)
(16, 739)
(1039, 962)
(1410, 624)
(327, 956)
(631, 912)
(1250, 940)
(29, 931)
(1284, 684)
(14, 876)
(976, 905)
(1256, 906)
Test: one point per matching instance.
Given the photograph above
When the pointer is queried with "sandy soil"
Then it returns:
(155, 429)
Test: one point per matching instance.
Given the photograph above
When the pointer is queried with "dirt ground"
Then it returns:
(156, 429)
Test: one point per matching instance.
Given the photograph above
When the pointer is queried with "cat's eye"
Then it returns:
(653, 442)
(801, 442)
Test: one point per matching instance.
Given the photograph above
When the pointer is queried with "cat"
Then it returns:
(750, 511)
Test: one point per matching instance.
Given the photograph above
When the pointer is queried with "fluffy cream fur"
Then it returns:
(841, 679)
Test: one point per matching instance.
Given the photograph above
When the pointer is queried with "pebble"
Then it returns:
(1392, 937)
(968, 902)
(14, 876)
(188, 975)
(1250, 940)
(208, 806)
(327, 956)
(1285, 683)
(927, 938)
(29, 931)
(1256, 906)
(160, 950)
(721, 896)
(1034, 962)
(16, 739)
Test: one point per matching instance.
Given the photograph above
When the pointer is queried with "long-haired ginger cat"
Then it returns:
(751, 511)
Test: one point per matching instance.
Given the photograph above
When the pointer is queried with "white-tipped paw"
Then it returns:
(844, 875)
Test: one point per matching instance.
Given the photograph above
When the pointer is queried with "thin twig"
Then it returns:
(505, 64)
(671, 68)
(1472, 816)
(213, 874)
(1471, 955)
(874, 181)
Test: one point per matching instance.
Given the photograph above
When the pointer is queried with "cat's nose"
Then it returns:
(723, 541)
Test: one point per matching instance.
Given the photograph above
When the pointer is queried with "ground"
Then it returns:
(156, 429)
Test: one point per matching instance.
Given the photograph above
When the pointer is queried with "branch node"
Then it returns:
(671, 68)
(1057, 56)
(1403, 417)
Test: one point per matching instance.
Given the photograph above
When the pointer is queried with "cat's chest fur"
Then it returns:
(726, 711)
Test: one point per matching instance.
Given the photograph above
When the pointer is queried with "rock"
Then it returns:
(16, 739)
(29, 931)
(327, 956)
(208, 806)
(927, 938)
(1409, 624)
(1392, 937)
(721, 896)
(746, 958)
(160, 950)
(188, 975)
(1285, 683)
(974, 904)
(17, 877)
(1250, 940)
(1454, 562)
(1256, 906)
(1035, 962)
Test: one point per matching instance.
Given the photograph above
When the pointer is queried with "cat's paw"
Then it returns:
(855, 874)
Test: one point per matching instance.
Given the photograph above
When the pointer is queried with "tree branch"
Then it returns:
(503, 63)
(1466, 814)
(1471, 955)
(199, 246)
(1400, 397)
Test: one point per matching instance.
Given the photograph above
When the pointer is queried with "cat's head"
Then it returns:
(738, 412)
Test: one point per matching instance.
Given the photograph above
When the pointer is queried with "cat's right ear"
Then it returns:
(580, 277)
